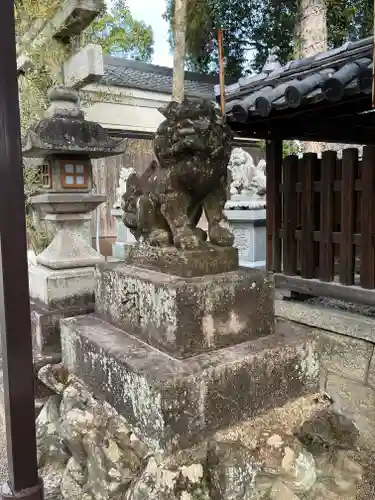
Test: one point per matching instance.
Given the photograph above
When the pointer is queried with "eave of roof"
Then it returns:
(121, 72)
(328, 77)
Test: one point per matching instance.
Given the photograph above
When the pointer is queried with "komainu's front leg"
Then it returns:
(218, 227)
(152, 225)
(174, 208)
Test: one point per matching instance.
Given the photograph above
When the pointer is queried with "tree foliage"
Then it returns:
(120, 34)
(204, 18)
(253, 27)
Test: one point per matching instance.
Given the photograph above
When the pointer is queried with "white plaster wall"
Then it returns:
(120, 108)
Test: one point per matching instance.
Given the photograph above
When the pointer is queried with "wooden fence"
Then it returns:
(106, 172)
(325, 242)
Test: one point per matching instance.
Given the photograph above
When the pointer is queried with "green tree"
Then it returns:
(253, 27)
(120, 34)
(203, 19)
(349, 20)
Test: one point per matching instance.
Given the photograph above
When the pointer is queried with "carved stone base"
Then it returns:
(186, 263)
(171, 403)
(186, 316)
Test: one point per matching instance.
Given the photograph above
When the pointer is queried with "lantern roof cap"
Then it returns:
(64, 130)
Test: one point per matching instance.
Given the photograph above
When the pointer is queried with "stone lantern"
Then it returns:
(62, 281)
(65, 143)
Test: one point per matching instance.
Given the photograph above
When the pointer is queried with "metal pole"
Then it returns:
(15, 325)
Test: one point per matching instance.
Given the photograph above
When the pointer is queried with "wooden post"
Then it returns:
(347, 256)
(326, 257)
(274, 154)
(221, 68)
(367, 272)
(290, 215)
(308, 256)
(15, 324)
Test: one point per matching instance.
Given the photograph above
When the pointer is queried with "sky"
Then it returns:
(151, 11)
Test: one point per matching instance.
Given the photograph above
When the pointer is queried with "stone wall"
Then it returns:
(347, 341)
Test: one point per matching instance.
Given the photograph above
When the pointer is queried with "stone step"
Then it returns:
(343, 322)
(172, 403)
(45, 326)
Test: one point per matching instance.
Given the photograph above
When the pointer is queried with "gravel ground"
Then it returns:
(343, 306)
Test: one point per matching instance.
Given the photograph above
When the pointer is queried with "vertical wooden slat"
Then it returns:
(138, 155)
(367, 270)
(289, 244)
(326, 255)
(308, 257)
(347, 254)
(274, 152)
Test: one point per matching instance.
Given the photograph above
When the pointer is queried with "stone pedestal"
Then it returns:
(56, 294)
(184, 317)
(124, 237)
(248, 223)
(171, 403)
(182, 357)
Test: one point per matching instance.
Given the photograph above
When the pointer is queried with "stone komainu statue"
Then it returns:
(164, 205)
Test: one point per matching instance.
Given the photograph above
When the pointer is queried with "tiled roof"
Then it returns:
(329, 76)
(122, 72)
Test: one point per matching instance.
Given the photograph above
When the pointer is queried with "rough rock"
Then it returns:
(87, 452)
(73, 480)
(328, 429)
(160, 482)
(283, 457)
(85, 449)
(110, 469)
(280, 491)
(51, 448)
(55, 377)
(52, 476)
(232, 471)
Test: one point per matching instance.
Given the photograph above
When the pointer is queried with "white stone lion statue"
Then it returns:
(248, 179)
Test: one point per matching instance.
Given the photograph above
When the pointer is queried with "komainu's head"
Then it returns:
(193, 128)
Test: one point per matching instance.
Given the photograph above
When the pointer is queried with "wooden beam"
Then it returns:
(336, 133)
(332, 290)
